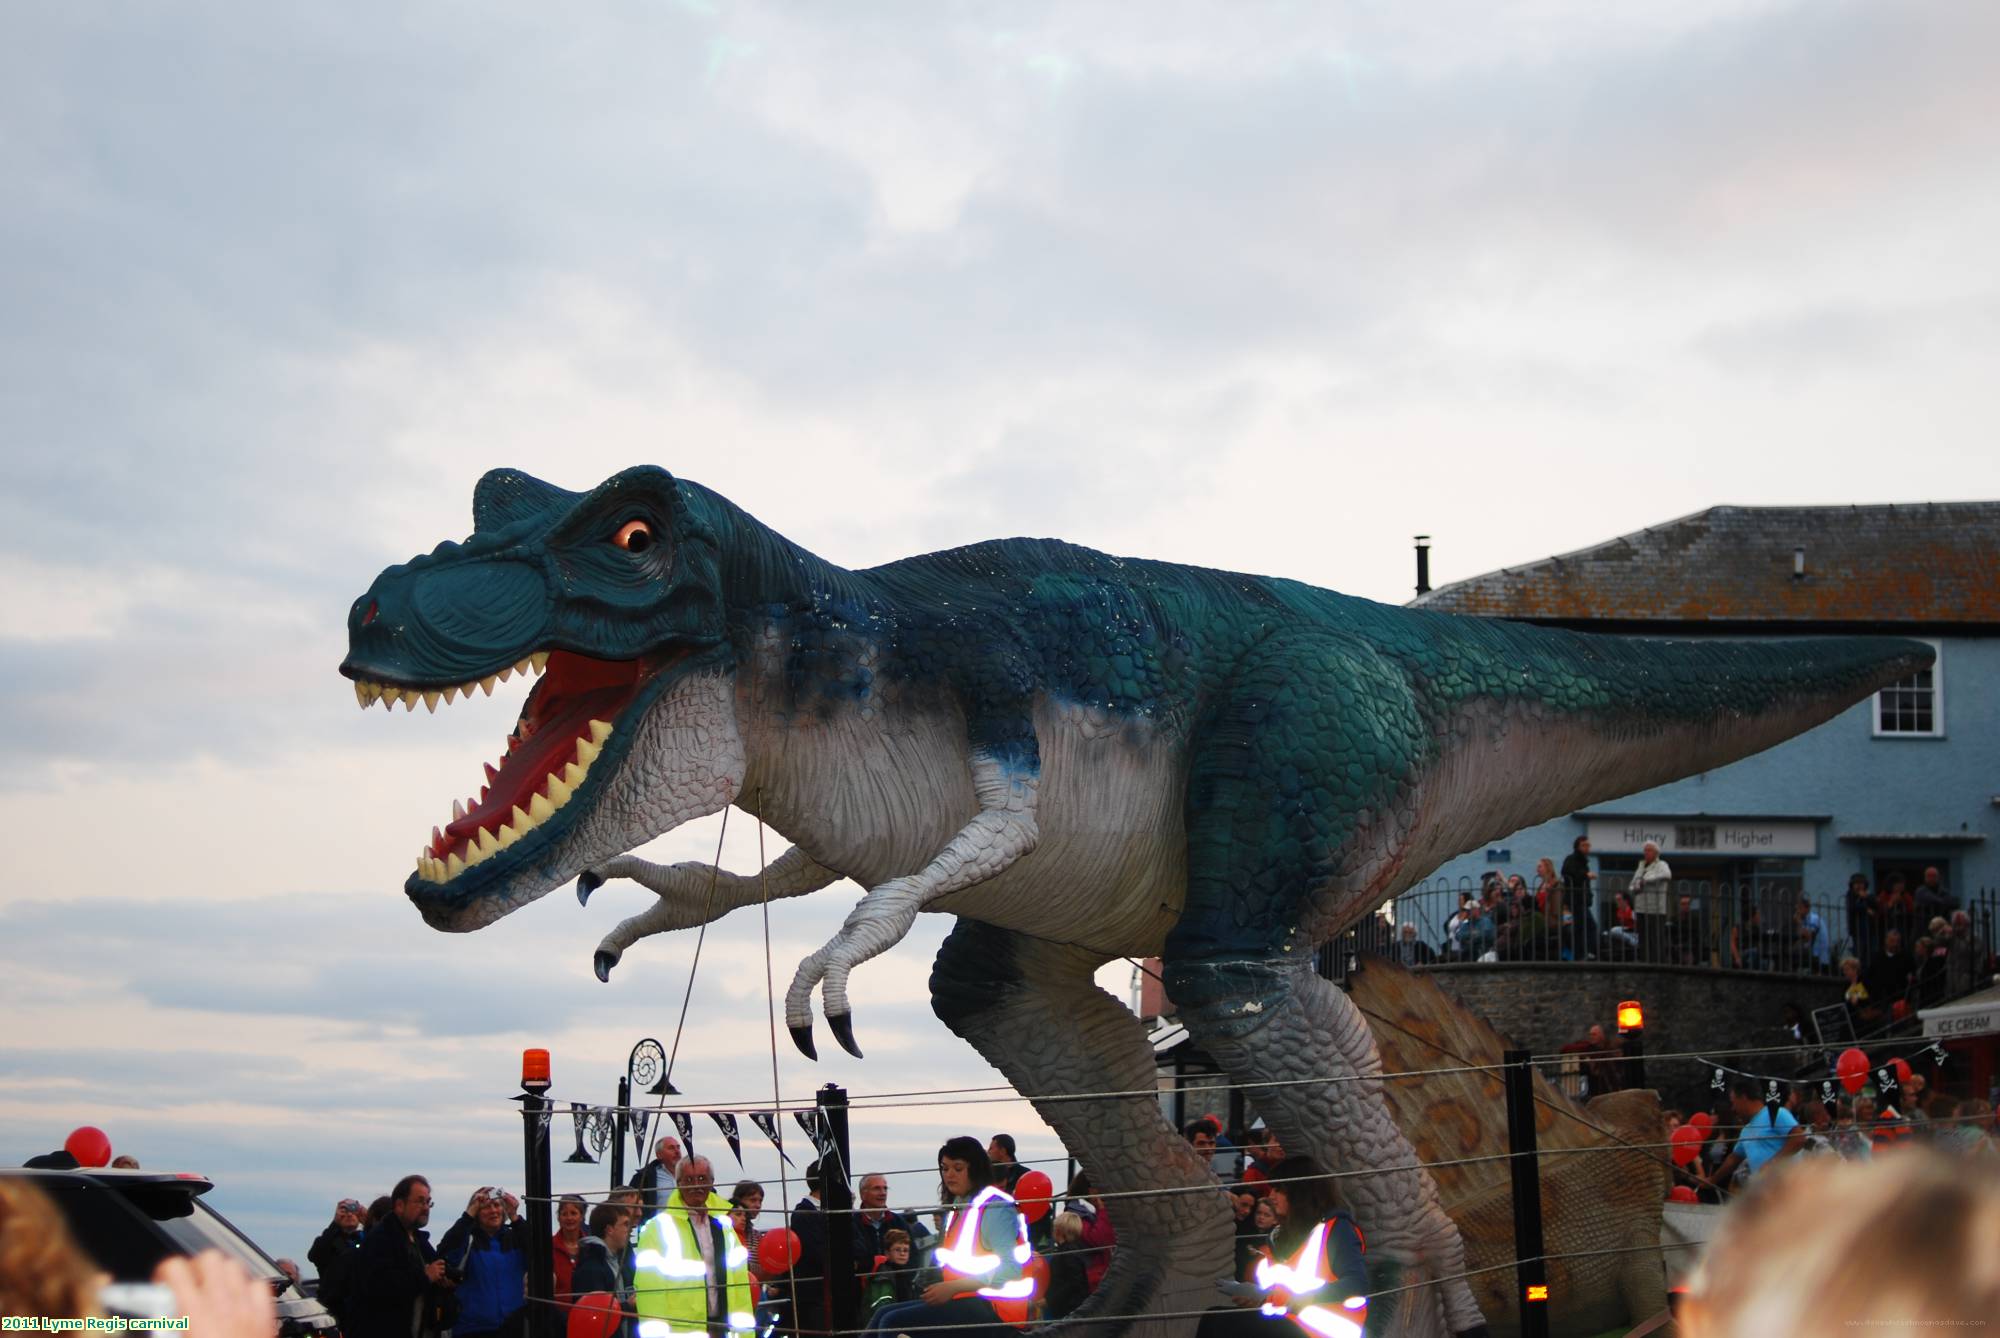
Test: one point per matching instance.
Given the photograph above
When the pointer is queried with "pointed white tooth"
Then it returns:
(600, 730)
(450, 695)
(431, 700)
(453, 867)
(485, 685)
(522, 668)
(360, 695)
(540, 659)
(558, 792)
(457, 810)
(390, 692)
(505, 674)
(539, 807)
(573, 775)
(509, 834)
(410, 700)
(587, 750)
(486, 843)
(522, 822)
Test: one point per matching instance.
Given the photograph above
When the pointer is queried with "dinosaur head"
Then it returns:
(610, 604)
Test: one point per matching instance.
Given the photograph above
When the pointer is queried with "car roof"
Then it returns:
(190, 1181)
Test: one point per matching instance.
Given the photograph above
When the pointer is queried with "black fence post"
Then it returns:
(1531, 1274)
(836, 1187)
(620, 1130)
(538, 1190)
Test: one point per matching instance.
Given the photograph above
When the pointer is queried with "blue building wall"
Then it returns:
(1859, 783)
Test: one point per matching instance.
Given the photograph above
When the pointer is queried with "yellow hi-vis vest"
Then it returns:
(1310, 1273)
(964, 1255)
(670, 1282)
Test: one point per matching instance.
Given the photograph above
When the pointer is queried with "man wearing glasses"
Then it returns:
(399, 1283)
(692, 1272)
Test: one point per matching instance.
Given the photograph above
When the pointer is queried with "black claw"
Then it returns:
(586, 883)
(843, 1031)
(802, 1037)
(603, 962)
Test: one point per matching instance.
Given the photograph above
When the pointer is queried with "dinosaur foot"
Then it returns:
(587, 883)
(602, 962)
(802, 1037)
(843, 1031)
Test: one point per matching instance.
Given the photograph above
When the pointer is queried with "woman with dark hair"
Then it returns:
(983, 1257)
(1314, 1274)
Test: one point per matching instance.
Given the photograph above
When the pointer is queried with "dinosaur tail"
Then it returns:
(1557, 720)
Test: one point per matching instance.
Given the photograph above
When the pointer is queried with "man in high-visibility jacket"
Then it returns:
(692, 1278)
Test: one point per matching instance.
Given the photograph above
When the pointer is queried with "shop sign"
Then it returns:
(1716, 837)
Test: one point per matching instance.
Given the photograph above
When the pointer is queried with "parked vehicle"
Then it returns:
(128, 1221)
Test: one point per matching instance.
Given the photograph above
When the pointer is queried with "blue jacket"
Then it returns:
(493, 1273)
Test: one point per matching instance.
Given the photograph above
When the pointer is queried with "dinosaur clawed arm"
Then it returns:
(693, 894)
(988, 844)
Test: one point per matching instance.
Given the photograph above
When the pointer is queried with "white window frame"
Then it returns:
(1936, 730)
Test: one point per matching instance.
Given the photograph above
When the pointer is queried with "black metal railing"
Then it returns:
(1750, 926)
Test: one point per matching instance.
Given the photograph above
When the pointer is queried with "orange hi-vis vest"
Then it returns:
(964, 1255)
(1310, 1273)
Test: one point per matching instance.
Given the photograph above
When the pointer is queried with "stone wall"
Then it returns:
(1545, 1005)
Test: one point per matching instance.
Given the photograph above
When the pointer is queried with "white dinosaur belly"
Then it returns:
(878, 794)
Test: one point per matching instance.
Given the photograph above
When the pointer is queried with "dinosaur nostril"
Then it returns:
(368, 614)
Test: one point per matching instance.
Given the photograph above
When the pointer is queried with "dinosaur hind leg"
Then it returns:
(1304, 1027)
(1032, 1009)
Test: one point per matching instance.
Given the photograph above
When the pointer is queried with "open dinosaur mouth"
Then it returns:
(563, 728)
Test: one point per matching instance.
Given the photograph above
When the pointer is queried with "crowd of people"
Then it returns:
(380, 1273)
(1901, 946)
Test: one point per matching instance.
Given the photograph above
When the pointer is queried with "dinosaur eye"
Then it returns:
(634, 536)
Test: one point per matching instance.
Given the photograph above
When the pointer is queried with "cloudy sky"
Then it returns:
(1270, 287)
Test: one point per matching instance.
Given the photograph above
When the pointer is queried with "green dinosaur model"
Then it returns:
(1082, 757)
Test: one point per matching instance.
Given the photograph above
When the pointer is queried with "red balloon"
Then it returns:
(89, 1146)
(1032, 1192)
(778, 1251)
(1682, 1194)
(1902, 1067)
(596, 1315)
(1685, 1143)
(1852, 1068)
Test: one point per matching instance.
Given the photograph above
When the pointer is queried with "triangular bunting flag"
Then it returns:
(684, 1124)
(769, 1124)
(639, 1121)
(809, 1120)
(727, 1123)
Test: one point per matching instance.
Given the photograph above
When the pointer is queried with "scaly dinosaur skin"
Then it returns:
(1082, 756)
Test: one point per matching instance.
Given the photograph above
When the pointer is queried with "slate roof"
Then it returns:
(1927, 564)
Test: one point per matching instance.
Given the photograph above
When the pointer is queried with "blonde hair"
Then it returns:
(1825, 1245)
(1066, 1228)
(42, 1272)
